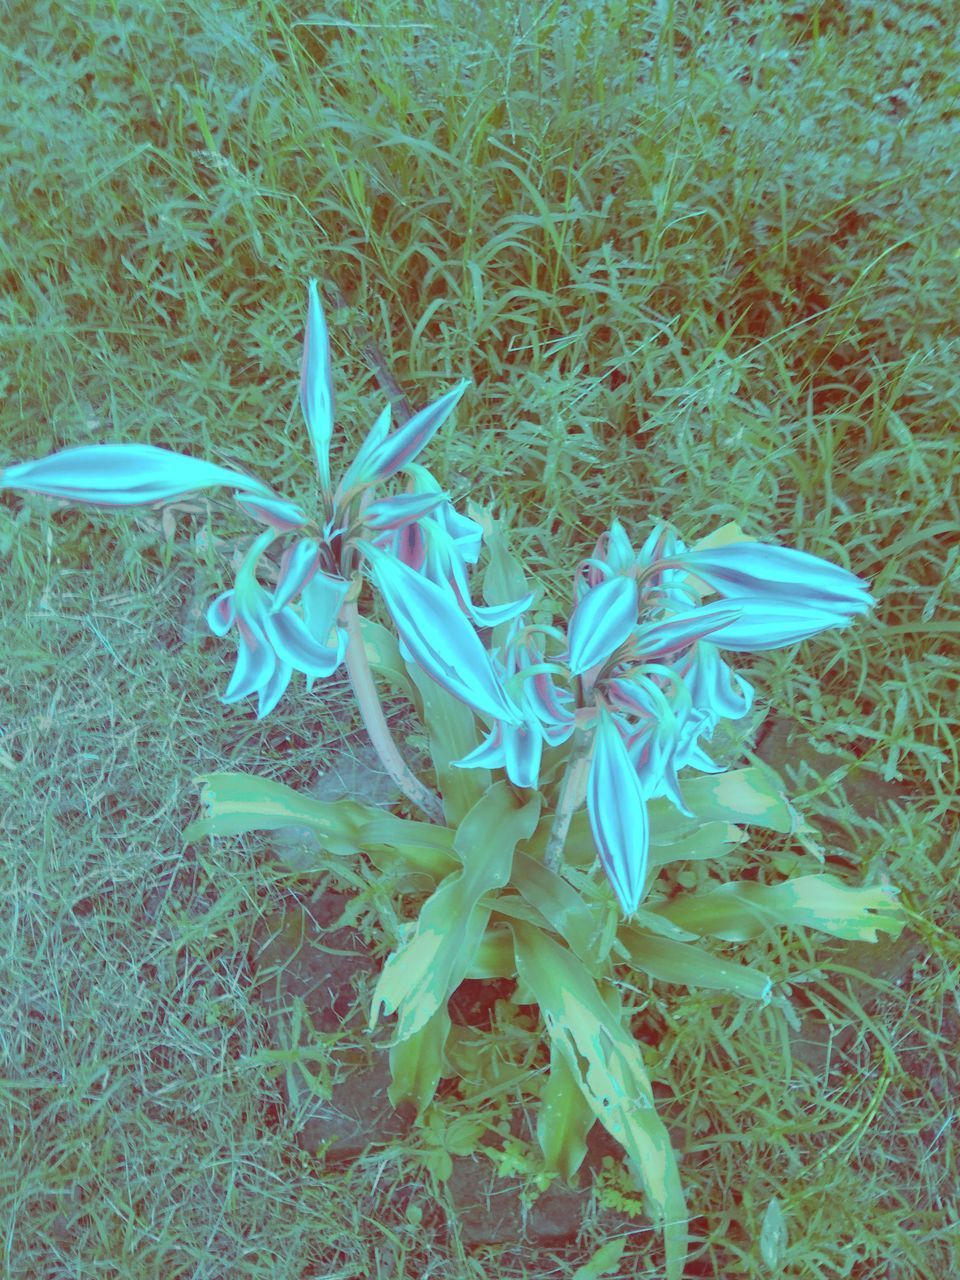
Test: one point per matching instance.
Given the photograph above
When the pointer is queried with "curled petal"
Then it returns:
(617, 810)
(714, 688)
(322, 598)
(222, 613)
(488, 755)
(256, 660)
(316, 384)
(438, 636)
(122, 475)
(763, 569)
(274, 689)
(601, 622)
(294, 644)
(298, 565)
(277, 512)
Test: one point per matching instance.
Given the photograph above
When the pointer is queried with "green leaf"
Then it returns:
(712, 840)
(495, 957)
(425, 846)
(422, 974)
(235, 803)
(578, 924)
(773, 1236)
(417, 1062)
(753, 795)
(738, 911)
(613, 1079)
(453, 734)
(679, 962)
(564, 1119)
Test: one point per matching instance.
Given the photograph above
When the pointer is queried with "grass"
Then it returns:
(699, 260)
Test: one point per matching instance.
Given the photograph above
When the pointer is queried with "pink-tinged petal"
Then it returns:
(617, 810)
(438, 636)
(763, 569)
(222, 613)
(404, 445)
(488, 755)
(683, 629)
(555, 734)
(357, 474)
(256, 661)
(293, 643)
(714, 687)
(601, 622)
(523, 750)
(274, 689)
(770, 623)
(298, 564)
(412, 547)
(316, 384)
(122, 475)
(277, 512)
(401, 510)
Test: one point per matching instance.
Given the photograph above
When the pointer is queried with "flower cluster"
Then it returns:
(640, 671)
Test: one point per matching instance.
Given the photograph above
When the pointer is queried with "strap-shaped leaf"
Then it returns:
(495, 957)
(753, 796)
(614, 1080)
(692, 966)
(451, 725)
(417, 1062)
(235, 803)
(422, 974)
(712, 840)
(577, 923)
(564, 1119)
(738, 912)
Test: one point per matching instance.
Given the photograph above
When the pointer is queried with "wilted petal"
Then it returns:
(298, 564)
(770, 623)
(763, 569)
(316, 384)
(122, 475)
(601, 622)
(617, 810)
(404, 445)
(437, 635)
(277, 512)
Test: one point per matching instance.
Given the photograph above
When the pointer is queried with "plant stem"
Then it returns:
(572, 791)
(361, 679)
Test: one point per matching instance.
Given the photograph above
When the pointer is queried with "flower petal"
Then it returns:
(683, 629)
(277, 512)
(354, 476)
(316, 384)
(298, 564)
(122, 475)
(402, 509)
(438, 636)
(601, 622)
(274, 689)
(763, 569)
(770, 623)
(617, 810)
(488, 755)
(256, 661)
(401, 448)
(293, 643)
(222, 613)
(523, 750)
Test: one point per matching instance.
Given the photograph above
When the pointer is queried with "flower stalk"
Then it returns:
(573, 790)
(375, 722)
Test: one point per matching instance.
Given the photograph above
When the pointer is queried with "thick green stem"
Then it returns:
(361, 679)
(573, 788)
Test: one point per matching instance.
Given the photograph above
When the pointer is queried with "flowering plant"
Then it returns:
(605, 709)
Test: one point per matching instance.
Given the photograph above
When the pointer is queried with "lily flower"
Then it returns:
(548, 713)
(617, 811)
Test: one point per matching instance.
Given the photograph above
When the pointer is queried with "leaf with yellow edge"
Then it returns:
(588, 1030)
(740, 911)
(692, 966)
(427, 968)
